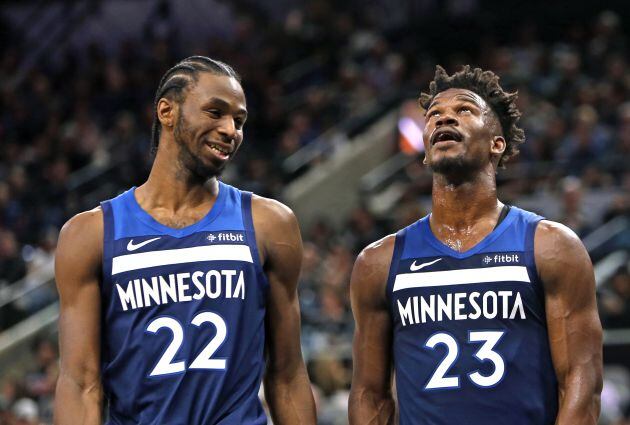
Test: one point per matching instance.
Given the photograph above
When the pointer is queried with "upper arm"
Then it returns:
(372, 335)
(280, 243)
(575, 333)
(77, 272)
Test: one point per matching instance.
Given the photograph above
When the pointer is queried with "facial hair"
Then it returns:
(458, 166)
(450, 165)
(191, 164)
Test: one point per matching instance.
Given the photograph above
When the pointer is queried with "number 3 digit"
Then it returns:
(489, 339)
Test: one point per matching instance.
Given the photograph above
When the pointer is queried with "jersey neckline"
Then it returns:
(483, 243)
(148, 219)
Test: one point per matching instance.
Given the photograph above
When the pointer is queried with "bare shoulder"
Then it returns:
(272, 217)
(551, 232)
(555, 240)
(278, 233)
(80, 244)
(369, 275)
(377, 254)
(273, 220)
(83, 227)
(559, 252)
(265, 210)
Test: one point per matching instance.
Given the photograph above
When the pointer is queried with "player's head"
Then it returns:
(471, 122)
(200, 102)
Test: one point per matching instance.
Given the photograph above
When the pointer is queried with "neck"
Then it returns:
(172, 186)
(459, 204)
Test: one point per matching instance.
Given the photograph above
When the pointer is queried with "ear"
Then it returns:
(498, 145)
(425, 160)
(166, 112)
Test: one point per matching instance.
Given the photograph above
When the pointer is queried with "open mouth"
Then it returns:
(445, 135)
(220, 151)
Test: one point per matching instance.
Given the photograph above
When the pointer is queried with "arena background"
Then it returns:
(333, 132)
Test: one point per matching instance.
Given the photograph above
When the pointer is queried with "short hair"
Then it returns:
(486, 85)
(178, 78)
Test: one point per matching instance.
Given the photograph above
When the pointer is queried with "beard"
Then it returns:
(458, 166)
(190, 162)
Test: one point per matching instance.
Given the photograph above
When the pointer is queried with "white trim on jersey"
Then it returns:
(461, 277)
(143, 260)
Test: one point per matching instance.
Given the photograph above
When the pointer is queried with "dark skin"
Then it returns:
(181, 189)
(465, 210)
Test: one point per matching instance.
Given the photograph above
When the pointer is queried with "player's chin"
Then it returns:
(448, 164)
(217, 169)
(210, 168)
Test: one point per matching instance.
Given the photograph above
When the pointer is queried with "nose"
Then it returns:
(446, 119)
(227, 128)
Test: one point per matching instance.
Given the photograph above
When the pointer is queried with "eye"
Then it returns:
(214, 113)
(465, 109)
(239, 122)
(433, 113)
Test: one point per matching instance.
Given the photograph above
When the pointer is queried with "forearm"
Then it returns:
(290, 399)
(579, 398)
(76, 403)
(369, 408)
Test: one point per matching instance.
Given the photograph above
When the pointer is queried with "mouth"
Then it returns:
(445, 135)
(220, 150)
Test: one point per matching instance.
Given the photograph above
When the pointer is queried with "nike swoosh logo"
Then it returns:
(415, 268)
(132, 247)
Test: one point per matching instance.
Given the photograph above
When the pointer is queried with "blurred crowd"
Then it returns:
(83, 113)
(27, 399)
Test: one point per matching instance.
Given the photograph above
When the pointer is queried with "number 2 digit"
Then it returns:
(204, 360)
(452, 351)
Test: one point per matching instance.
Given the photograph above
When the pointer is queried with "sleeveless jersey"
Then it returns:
(182, 315)
(470, 342)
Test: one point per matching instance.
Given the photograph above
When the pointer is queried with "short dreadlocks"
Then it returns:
(486, 85)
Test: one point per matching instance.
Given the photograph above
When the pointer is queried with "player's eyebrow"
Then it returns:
(432, 104)
(477, 101)
(223, 104)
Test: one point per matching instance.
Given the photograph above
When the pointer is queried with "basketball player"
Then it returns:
(174, 293)
(486, 311)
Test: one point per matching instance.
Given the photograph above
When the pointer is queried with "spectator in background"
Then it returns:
(12, 265)
(10, 390)
(333, 377)
(41, 380)
(15, 407)
(25, 412)
(572, 214)
(362, 229)
(587, 140)
(620, 206)
(615, 304)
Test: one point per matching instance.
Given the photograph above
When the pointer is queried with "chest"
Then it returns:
(180, 219)
(462, 239)
(460, 292)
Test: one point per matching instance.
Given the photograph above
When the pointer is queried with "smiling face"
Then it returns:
(208, 129)
(462, 134)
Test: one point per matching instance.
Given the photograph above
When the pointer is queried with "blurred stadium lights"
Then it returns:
(410, 125)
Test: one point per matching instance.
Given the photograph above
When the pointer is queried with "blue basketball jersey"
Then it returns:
(470, 342)
(182, 315)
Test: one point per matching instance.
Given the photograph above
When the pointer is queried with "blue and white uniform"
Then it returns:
(183, 313)
(470, 341)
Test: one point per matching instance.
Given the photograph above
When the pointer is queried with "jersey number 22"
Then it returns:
(204, 360)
